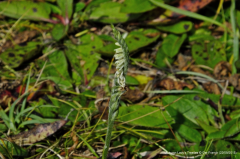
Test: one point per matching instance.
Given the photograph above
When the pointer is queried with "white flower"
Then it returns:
(121, 57)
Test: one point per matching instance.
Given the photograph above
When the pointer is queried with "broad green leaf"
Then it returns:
(208, 53)
(87, 53)
(26, 10)
(144, 115)
(77, 78)
(79, 6)
(107, 50)
(226, 101)
(73, 55)
(66, 8)
(162, 59)
(208, 109)
(57, 70)
(209, 129)
(216, 135)
(179, 118)
(135, 40)
(108, 12)
(11, 149)
(106, 38)
(17, 55)
(172, 43)
(93, 4)
(178, 28)
(225, 149)
(232, 127)
(131, 80)
(201, 33)
(188, 108)
(59, 31)
(58, 60)
(136, 6)
(229, 129)
(189, 134)
(141, 37)
(235, 114)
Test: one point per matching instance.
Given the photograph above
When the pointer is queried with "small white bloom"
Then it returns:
(118, 56)
(120, 62)
(119, 50)
(117, 44)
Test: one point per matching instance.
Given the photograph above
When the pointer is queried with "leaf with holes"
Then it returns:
(208, 52)
(17, 55)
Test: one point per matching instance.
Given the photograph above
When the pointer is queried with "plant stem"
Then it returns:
(113, 113)
(121, 57)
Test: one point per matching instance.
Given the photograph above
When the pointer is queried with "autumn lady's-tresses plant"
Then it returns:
(121, 57)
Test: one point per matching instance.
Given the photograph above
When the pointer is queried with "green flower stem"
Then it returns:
(113, 113)
(121, 57)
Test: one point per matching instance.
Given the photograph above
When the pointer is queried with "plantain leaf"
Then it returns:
(27, 9)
